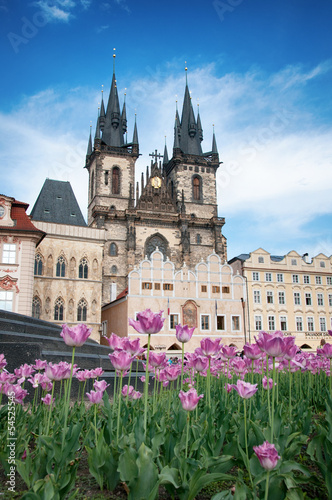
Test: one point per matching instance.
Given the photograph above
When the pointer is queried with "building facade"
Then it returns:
(209, 297)
(288, 293)
(18, 241)
(172, 208)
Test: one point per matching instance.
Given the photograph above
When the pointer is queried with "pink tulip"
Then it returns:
(95, 396)
(83, 375)
(273, 344)
(267, 455)
(115, 342)
(24, 371)
(121, 360)
(200, 363)
(96, 372)
(148, 322)
(100, 385)
(127, 390)
(329, 332)
(157, 359)
(136, 395)
(133, 346)
(209, 347)
(190, 399)
(229, 351)
(252, 351)
(47, 400)
(264, 382)
(3, 362)
(184, 333)
(39, 364)
(75, 336)
(326, 351)
(37, 379)
(245, 389)
(16, 392)
(172, 372)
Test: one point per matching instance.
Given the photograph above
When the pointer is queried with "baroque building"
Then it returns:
(289, 293)
(173, 208)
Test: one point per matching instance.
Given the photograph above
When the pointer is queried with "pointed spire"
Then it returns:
(214, 143)
(190, 142)
(135, 134)
(165, 160)
(113, 131)
(176, 132)
(199, 125)
(124, 116)
(102, 110)
(89, 150)
(97, 133)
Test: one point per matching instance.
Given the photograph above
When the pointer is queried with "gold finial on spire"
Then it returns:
(186, 69)
(114, 56)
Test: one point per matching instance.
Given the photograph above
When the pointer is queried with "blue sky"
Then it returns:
(261, 71)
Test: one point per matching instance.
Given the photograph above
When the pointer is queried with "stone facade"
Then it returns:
(288, 293)
(209, 297)
(68, 282)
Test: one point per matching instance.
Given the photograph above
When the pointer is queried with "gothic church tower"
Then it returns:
(174, 206)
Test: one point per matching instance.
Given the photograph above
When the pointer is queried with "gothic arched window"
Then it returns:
(61, 267)
(83, 269)
(113, 250)
(114, 270)
(38, 265)
(36, 307)
(154, 242)
(197, 188)
(116, 180)
(82, 310)
(58, 309)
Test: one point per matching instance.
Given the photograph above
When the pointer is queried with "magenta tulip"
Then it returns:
(267, 455)
(157, 359)
(172, 372)
(274, 344)
(184, 333)
(245, 389)
(252, 351)
(100, 385)
(264, 382)
(115, 342)
(3, 362)
(209, 347)
(127, 390)
(229, 351)
(16, 392)
(148, 322)
(200, 363)
(121, 360)
(95, 397)
(190, 399)
(75, 336)
(47, 400)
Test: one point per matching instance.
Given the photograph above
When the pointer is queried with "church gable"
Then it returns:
(156, 195)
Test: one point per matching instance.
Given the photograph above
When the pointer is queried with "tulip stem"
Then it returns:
(267, 485)
(290, 391)
(96, 424)
(182, 365)
(119, 411)
(146, 385)
(246, 437)
(187, 436)
(273, 396)
(268, 386)
(50, 410)
(67, 399)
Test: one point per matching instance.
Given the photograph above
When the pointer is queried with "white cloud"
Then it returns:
(56, 10)
(277, 170)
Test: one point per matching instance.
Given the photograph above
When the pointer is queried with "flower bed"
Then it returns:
(218, 424)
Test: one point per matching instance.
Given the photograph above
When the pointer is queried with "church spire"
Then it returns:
(102, 110)
(89, 150)
(113, 130)
(214, 144)
(135, 134)
(165, 160)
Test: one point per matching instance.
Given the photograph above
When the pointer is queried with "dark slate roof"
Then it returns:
(277, 258)
(242, 256)
(57, 203)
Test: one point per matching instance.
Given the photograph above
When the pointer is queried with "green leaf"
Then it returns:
(127, 465)
(169, 475)
(201, 479)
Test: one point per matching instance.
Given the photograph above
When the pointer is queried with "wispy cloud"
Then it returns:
(276, 176)
(102, 28)
(56, 10)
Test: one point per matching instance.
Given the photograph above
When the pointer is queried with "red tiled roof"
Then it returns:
(122, 294)
(23, 222)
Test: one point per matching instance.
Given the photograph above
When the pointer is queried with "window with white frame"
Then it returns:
(320, 299)
(205, 322)
(269, 297)
(6, 300)
(173, 321)
(257, 296)
(294, 262)
(322, 263)
(330, 299)
(271, 323)
(308, 301)
(318, 280)
(297, 298)
(104, 328)
(255, 276)
(280, 277)
(299, 324)
(258, 323)
(221, 323)
(268, 276)
(310, 324)
(261, 260)
(9, 253)
(281, 298)
(295, 278)
(322, 324)
(329, 280)
(283, 323)
(235, 323)
(306, 279)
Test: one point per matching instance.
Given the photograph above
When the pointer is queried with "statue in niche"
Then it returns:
(189, 314)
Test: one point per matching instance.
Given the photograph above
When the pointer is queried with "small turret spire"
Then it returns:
(165, 160)
(135, 134)
(89, 150)
(214, 143)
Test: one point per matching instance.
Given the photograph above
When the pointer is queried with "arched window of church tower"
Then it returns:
(116, 180)
(38, 265)
(61, 267)
(197, 188)
(156, 241)
(113, 250)
(83, 269)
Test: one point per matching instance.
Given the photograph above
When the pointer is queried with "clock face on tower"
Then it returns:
(156, 182)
